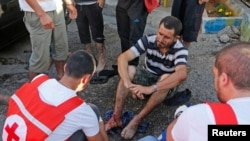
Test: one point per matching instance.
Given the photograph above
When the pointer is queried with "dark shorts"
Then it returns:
(146, 78)
(90, 18)
(190, 13)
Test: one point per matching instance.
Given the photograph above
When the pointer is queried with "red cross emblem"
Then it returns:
(11, 132)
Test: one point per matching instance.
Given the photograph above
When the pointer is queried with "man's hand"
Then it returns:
(101, 3)
(72, 11)
(46, 21)
(138, 91)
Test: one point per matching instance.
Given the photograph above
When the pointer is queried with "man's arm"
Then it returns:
(122, 62)
(173, 79)
(70, 5)
(170, 127)
(36, 7)
(45, 19)
(101, 3)
(101, 136)
(169, 136)
(103, 132)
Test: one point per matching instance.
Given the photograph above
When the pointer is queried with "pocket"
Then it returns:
(31, 19)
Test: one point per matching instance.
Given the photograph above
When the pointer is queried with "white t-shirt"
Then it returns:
(82, 117)
(192, 124)
(47, 5)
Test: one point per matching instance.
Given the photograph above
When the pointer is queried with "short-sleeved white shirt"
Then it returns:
(192, 124)
(82, 117)
(47, 5)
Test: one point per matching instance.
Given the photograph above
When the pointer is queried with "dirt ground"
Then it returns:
(200, 78)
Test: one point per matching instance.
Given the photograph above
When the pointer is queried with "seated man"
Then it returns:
(47, 109)
(165, 68)
(230, 69)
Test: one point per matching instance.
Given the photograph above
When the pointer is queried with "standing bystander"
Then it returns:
(45, 23)
(190, 13)
(131, 18)
(90, 22)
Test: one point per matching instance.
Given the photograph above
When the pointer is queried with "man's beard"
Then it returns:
(162, 46)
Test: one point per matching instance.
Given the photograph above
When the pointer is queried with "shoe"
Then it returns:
(179, 110)
(179, 98)
(103, 76)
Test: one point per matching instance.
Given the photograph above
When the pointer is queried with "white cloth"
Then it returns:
(83, 117)
(192, 124)
(47, 5)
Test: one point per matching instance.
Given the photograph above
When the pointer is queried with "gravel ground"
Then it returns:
(200, 79)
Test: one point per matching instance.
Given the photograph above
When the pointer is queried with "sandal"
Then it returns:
(103, 76)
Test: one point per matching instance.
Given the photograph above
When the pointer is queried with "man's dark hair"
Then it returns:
(79, 64)
(234, 60)
(171, 22)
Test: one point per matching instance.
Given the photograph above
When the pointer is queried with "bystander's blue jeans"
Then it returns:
(148, 138)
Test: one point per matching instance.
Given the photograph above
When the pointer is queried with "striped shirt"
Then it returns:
(156, 62)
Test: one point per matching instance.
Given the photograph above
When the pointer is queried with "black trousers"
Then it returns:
(190, 13)
(90, 22)
(131, 17)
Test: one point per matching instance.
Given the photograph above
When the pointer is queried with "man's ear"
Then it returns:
(177, 37)
(224, 79)
(86, 78)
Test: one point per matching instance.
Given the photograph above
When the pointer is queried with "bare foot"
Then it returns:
(113, 123)
(101, 65)
(129, 131)
(88, 48)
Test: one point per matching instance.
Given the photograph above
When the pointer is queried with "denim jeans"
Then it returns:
(148, 138)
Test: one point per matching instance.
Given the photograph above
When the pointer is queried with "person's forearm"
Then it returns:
(36, 7)
(123, 69)
(101, 3)
(169, 136)
(103, 132)
(172, 80)
(69, 2)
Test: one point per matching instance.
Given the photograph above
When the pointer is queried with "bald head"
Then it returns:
(234, 60)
